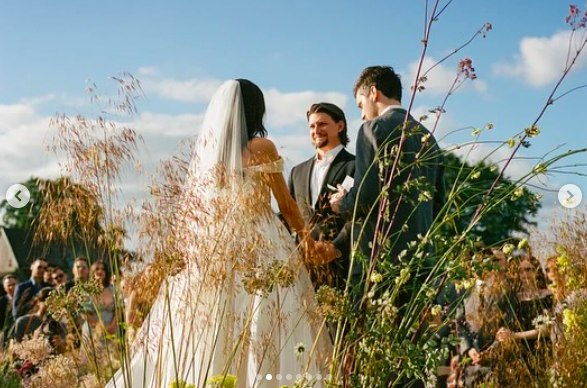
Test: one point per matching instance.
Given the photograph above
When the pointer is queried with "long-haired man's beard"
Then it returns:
(321, 142)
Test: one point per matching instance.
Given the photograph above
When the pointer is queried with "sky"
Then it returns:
(299, 52)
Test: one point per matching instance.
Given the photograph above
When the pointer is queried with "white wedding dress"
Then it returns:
(243, 307)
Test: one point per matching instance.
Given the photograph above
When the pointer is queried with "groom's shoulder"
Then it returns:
(306, 162)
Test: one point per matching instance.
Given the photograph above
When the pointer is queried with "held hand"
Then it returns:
(475, 356)
(504, 335)
(336, 198)
(325, 253)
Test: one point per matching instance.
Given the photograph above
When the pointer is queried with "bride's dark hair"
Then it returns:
(254, 104)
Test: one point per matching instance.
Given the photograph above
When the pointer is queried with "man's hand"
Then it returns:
(325, 253)
(336, 199)
(475, 356)
(504, 334)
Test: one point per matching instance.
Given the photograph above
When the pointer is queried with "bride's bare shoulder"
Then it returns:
(262, 150)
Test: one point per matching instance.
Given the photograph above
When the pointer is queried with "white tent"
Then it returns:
(8, 263)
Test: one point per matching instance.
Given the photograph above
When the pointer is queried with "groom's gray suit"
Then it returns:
(379, 135)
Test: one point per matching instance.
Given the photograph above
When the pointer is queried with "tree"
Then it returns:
(62, 220)
(510, 215)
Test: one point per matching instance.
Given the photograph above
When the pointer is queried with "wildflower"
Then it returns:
(476, 132)
(518, 193)
(540, 168)
(488, 26)
(403, 277)
(220, 381)
(523, 243)
(542, 322)
(36, 350)
(57, 372)
(508, 249)
(468, 284)
(424, 196)
(436, 310)
(465, 67)
(425, 138)
(476, 175)
(489, 126)
(532, 131)
(511, 143)
(299, 349)
(570, 320)
(376, 277)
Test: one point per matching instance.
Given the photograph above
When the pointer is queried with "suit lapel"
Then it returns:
(333, 170)
(304, 180)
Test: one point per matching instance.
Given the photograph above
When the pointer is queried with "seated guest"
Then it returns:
(6, 320)
(487, 307)
(81, 272)
(48, 275)
(39, 318)
(59, 277)
(25, 292)
(101, 311)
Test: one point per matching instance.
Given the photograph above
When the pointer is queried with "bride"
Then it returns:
(242, 312)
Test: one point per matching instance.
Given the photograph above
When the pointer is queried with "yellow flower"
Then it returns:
(376, 277)
(221, 381)
(523, 243)
(508, 249)
(436, 310)
(511, 143)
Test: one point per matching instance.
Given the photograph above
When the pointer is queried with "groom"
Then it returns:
(378, 93)
(311, 183)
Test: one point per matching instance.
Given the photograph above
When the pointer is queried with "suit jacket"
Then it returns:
(324, 223)
(5, 313)
(23, 301)
(375, 139)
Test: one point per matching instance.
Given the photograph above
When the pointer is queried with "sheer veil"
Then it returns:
(223, 135)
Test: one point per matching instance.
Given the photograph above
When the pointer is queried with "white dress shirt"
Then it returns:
(321, 166)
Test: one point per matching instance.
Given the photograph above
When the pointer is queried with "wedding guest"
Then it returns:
(59, 277)
(487, 307)
(48, 274)
(25, 292)
(40, 321)
(6, 319)
(534, 303)
(101, 311)
(81, 272)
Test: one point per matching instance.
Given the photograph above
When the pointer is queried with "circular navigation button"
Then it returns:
(18, 196)
(570, 196)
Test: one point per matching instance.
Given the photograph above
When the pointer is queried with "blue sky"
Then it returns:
(299, 52)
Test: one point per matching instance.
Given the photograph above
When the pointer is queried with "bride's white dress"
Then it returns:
(243, 306)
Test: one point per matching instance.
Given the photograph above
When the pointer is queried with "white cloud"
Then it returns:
(22, 132)
(286, 109)
(192, 90)
(283, 108)
(440, 79)
(180, 125)
(540, 60)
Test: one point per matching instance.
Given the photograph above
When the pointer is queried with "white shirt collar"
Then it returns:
(390, 107)
(330, 155)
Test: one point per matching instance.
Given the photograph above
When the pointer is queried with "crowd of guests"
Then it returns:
(24, 310)
(509, 322)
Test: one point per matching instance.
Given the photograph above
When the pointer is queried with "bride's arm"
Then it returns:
(264, 151)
